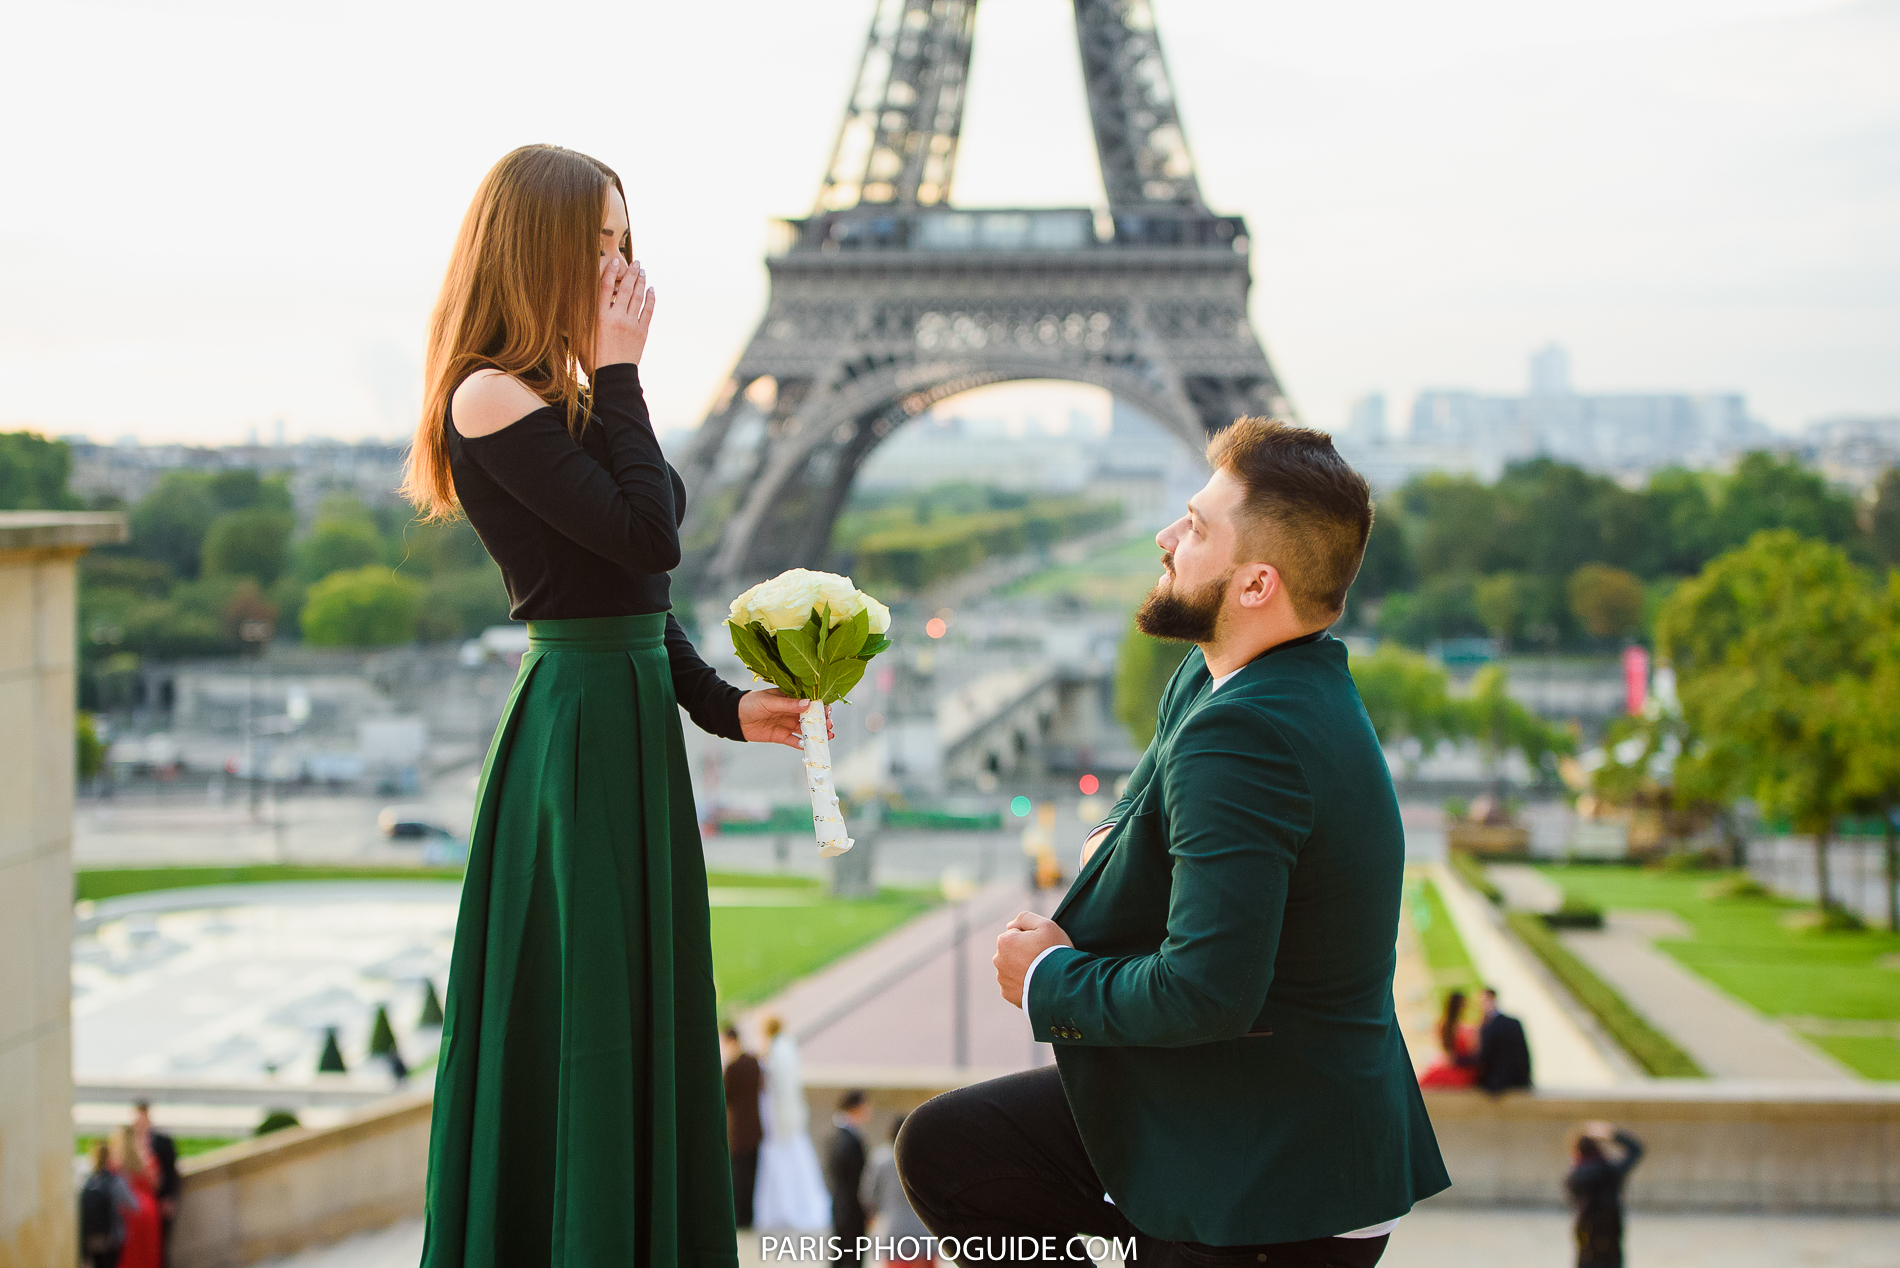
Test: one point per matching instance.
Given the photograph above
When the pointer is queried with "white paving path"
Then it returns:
(1440, 1237)
(1562, 1055)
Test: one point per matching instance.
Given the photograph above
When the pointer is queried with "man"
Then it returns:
(743, 1128)
(1504, 1058)
(888, 1210)
(161, 1152)
(844, 1170)
(1231, 1083)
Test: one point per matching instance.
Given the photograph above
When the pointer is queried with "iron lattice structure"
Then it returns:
(888, 299)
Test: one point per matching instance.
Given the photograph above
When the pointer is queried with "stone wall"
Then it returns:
(1712, 1147)
(304, 1186)
(37, 663)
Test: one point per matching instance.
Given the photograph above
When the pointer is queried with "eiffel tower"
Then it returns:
(888, 298)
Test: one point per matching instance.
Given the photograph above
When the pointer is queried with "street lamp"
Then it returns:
(958, 890)
(256, 632)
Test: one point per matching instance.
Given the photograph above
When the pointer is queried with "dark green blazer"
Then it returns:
(1224, 1025)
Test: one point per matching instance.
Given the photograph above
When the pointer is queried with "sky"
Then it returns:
(218, 215)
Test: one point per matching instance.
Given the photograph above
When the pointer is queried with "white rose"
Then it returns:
(838, 595)
(880, 615)
(786, 601)
(742, 606)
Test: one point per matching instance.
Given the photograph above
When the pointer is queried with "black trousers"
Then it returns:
(745, 1177)
(1003, 1159)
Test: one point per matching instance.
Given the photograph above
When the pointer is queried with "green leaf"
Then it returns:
(876, 644)
(838, 679)
(800, 652)
(752, 652)
(848, 639)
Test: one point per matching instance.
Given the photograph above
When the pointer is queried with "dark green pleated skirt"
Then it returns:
(579, 1112)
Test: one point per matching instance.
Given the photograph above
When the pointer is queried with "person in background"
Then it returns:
(1595, 1187)
(1458, 1067)
(161, 1154)
(105, 1203)
(743, 1128)
(882, 1195)
(790, 1191)
(844, 1165)
(144, 1244)
(1504, 1058)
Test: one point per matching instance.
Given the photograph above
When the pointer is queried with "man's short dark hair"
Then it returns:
(144, 1106)
(1305, 510)
(732, 1033)
(849, 1101)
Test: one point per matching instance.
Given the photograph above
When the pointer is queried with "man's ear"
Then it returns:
(1258, 584)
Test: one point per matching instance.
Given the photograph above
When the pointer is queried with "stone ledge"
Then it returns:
(59, 530)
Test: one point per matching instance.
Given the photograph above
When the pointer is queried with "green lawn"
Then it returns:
(1747, 947)
(115, 882)
(758, 951)
(1444, 950)
(1115, 577)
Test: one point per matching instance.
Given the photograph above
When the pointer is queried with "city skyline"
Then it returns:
(1687, 195)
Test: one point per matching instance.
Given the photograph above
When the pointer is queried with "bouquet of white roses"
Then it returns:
(810, 635)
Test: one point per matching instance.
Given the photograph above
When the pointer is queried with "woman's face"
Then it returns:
(613, 229)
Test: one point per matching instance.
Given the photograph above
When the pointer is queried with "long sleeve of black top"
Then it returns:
(709, 700)
(623, 511)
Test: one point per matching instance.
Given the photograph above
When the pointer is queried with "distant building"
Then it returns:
(314, 468)
(1854, 452)
(1624, 434)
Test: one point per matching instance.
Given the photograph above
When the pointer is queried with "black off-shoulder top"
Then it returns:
(589, 527)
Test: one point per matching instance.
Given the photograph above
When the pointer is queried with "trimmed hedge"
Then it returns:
(1472, 872)
(914, 556)
(1651, 1049)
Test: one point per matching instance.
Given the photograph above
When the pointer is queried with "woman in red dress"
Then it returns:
(144, 1240)
(1458, 1067)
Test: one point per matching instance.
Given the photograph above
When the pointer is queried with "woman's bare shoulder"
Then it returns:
(488, 401)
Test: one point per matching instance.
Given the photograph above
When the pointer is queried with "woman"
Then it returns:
(790, 1192)
(144, 1242)
(1458, 1066)
(579, 1117)
(1595, 1188)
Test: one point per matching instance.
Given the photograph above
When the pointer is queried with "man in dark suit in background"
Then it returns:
(844, 1169)
(743, 1128)
(1504, 1058)
(162, 1152)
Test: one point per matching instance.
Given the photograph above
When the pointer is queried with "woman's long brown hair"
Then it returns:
(520, 297)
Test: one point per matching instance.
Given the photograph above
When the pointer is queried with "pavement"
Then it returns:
(892, 1003)
(1435, 1237)
(1727, 1038)
(1563, 1052)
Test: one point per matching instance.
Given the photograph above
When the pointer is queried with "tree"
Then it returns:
(1144, 667)
(1873, 766)
(1768, 643)
(1406, 697)
(1387, 565)
(1606, 601)
(1884, 523)
(368, 607)
(1502, 725)
(339, 545)
(463, 603)
(249, 543)
(1767, 492)
(170, 522)
(1501, 602)
(33, 473)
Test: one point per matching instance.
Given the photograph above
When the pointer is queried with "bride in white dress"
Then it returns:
(790, 1193)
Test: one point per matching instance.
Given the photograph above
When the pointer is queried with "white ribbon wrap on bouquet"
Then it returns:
(827, 817)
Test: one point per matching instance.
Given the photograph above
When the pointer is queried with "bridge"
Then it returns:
(888, 298)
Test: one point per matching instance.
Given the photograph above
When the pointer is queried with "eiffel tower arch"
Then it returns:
(888, 298)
